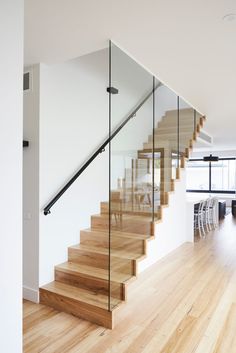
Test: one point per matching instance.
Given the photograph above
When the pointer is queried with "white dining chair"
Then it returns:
(214, 213)
(208, 214)
(199, 218)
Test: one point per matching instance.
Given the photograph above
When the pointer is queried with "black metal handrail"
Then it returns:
(99, 150)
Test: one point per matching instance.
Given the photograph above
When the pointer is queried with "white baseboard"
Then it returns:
(30, 294)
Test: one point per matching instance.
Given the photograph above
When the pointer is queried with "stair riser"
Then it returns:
(164, 198)
(173, 123)
(137, 210)
(95, 284)
(165, 187)
(166, 172)
(161, 158)
(173, 130)
(183, 119)
(146, 170)
(169, 145)
(182, 111)
(172, 146)
(172, 139)
(128, 186)
(127, 225)
(183, 115)
(115, 195)
(82, 310)
(102, 261)
(139, 172)
(117, 243)
(104, 209)
(173, 133)
(115, 207)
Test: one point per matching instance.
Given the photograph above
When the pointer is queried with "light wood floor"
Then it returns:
(186, 303)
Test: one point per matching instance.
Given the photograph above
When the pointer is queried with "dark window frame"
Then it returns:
(210, 177)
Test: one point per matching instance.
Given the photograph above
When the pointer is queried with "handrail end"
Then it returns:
(46, 212)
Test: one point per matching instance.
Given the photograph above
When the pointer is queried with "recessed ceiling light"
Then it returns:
(229, 17)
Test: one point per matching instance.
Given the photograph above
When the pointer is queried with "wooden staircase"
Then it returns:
(81, 286)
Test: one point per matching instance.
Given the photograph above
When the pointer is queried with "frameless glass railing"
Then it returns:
(150, 132)
(145, 158)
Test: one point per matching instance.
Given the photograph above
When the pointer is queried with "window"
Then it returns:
(212, 176)
(197, 175)
(223, 175)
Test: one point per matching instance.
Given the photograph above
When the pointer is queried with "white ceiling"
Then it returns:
(185, 43)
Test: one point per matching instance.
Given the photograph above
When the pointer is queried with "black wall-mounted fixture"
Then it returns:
(112, 90)
(25, 143)
(26, 81)
(211, 158)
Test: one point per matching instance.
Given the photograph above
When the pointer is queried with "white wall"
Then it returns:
(134, 83)
(11, 71)
(165, 100)
(171, 232)
(73, 123)
(31, 188)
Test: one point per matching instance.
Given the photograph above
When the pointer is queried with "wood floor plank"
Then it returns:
(37, 316)
(47, 331)
(216, 324)
(227, 342)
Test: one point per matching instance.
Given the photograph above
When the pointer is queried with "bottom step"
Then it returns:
(86, 304)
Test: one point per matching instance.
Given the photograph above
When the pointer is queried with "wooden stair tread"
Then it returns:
(129, 210)
(91, 271)
(81, 295)
(135, 217)
(173, 128)
(170, 133)
(120, 234)
(184, 110)
(103, 251)
(129, 215)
